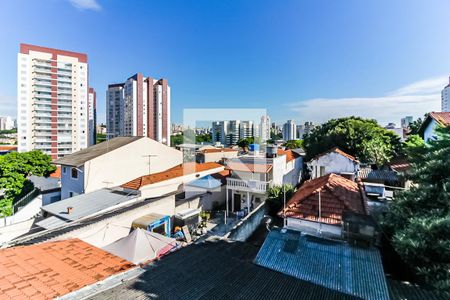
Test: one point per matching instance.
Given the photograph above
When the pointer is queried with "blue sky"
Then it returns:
(303, 60)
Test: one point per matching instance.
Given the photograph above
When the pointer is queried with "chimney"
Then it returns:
(69, 210)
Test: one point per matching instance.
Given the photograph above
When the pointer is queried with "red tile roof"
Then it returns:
(56, 173)
(337, 194)
(178, 171)
(336, 150)
(8, 148)
(290, 155)
(254, 168)
(216, 150)
(443, 118)
(399, 164)
(48, 270)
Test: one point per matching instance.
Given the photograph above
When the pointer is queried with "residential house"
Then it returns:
(333, 161)
(114, 162)
(318, 205)
(434, 119)
(211, 189)
(252, 176)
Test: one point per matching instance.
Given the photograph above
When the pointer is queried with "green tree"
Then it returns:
(203, 138)
(418, 221)
(356, 136)
(275, 198)
(176, 140)
(14, 169)
(415, 125)
(294, 144)
(244, 143)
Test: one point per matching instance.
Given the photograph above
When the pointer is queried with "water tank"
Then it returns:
(253, 147)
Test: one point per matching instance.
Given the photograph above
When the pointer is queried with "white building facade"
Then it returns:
(289, 131)
(6, 123)
(334, 161)
(445, 98)
(264, 128)
(139, 107)
(52, 104)
(92, 116)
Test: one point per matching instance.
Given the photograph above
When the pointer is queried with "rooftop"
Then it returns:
(175, 172)
(331, 264)
(380, 176)
(53, 269)
(219, 150)
(248, 167)
(88, 204)
(290, 154)
(216, 270)
(443, 118)
(78, 158)
(336, 150)
(337, 194)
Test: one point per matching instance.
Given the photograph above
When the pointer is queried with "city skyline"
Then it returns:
(368, 69)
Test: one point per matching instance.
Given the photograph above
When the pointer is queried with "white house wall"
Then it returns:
(333, 163)
(313, 228)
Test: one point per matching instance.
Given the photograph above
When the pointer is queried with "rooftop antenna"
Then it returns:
(149, 160)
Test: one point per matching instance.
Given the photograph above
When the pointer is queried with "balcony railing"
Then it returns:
(253, 186)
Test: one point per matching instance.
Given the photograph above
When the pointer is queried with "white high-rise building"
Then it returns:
(289, 131)
(445, 98)
(52, 100)
(139, 107)
(92, 116)
(246, 129)
(6, 123)
(264, 129)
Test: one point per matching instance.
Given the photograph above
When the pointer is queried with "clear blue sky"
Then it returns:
(306, 60)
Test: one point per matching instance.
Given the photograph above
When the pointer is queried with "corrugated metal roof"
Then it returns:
(51, 223)
(78, 158)
(216, 270)
(88, 204)
(332, 264)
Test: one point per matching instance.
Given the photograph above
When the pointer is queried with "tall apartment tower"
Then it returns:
(264, 128)
(246, 129)
(139, 107)
(445, 98)
(289, 131)
(92, 116)
(52, 104)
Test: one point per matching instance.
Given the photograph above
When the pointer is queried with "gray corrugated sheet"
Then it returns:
(367, 174)
(87, 204)
(78, 158)
(216, 270)
(335, 265)
(51, 223)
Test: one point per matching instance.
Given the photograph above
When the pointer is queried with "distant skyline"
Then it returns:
(300, 60)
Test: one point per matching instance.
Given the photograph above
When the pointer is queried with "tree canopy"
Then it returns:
(294, 144)
(418, 221)
(359, 137)
(15, 168)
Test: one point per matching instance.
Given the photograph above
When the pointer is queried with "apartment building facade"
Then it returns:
(289, 131)
(92, 116)
(52, 104)
(445, 98)
(139, 107)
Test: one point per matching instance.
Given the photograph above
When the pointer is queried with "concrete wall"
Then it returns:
(183, 204)
(25, 213)
(245, 228)
(333, 163)
(429, 133)
(278, 169)
(216, 156)
(314, 227)
(51, 197)
(208, 198)
(110, 230)
(293, 171)
(10, 232)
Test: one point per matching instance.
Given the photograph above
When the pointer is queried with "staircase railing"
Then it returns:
(25, 199)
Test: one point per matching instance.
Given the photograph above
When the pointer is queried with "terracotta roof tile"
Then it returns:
(337, 194)
(222, 176)
(443, 118)
(8, 148)
(290, 155)
(48, 270)
(56, 173)
(254, 168)
(216, 150)
(336, 150)
(178, 171)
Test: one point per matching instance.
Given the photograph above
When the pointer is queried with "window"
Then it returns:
(64, 170)
(322, 170)
(74, 173)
